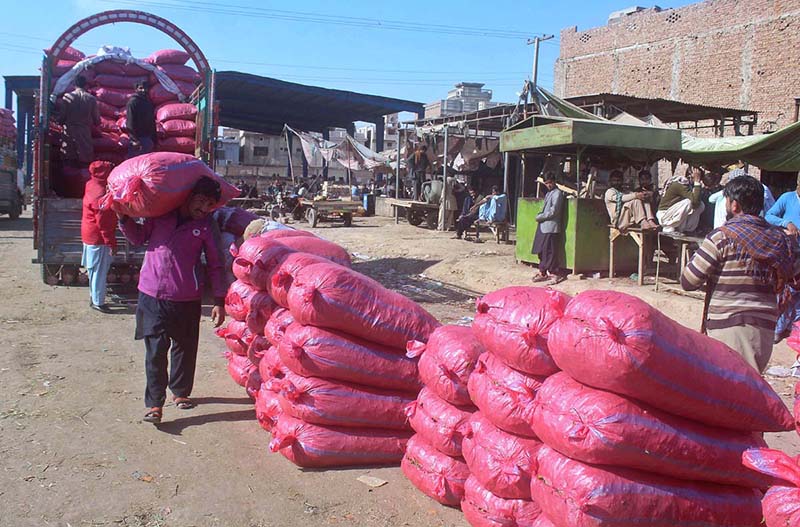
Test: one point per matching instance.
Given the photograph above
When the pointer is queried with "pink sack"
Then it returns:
(325, 402)
(514, 322)
(270, 367)
(447, 361)
(160, 95)
(502, 462)
(603, 428)
(240, 368)
(796, 407)
(484, 509)
(541, 521)
(253, 383)
(268, 408)
(120, 69)
(237, 303)
(168, 56)
(256, 260)
(108, 111)
(179, 128)
(317, 352)
(69, 53)
(319, 247)
(178, 110)
(118, 81)
(505, 396)
(276, 234)
(437, 475)
(315, 446)
(61, 67)
(152, 185)
(181, 145)
(573, 494)
(619, 343)
(110, 143)
(282, 276)
(246, 303)
(181, 72)
(257, 348)
(331, 296)
(781, 504)
(276, 326)
(237, 337)
(114, 96)
(439, 423)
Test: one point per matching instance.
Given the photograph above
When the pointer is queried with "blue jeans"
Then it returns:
(97, 261)
(145, 146)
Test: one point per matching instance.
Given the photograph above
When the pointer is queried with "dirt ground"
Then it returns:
(73, 451)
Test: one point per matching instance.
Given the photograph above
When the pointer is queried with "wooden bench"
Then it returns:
(683, 241)
(499, 229)
(637, 235)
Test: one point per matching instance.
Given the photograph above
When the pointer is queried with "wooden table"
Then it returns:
(683, 241)
(637, 235)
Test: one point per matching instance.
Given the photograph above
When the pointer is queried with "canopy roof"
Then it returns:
(668, 111)
(263, 104)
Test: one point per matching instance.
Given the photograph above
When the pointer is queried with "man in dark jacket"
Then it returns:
(98, 233)
(548, 242)
(78, 113)
(140, 116)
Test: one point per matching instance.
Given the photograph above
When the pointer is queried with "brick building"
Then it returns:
(725, 53)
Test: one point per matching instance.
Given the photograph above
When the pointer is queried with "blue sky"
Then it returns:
(296, 41)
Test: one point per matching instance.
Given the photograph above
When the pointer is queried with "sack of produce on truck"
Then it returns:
(574, 494)
(282, 276)
(68, 53)
(781, 503)
(237, 337)
(505, 396)
(327, 402)
(179, 128)
(332, 296)
(176, 110)
(318, 352)
(438, 422)
(437, 475)
(619, 343)
(315, 446)
(257, 259)
(484, 509)
(183, 145)
(502, 462)
(240, 368)
(268, 407)
(447, 361)
(168, 56)
(180, 72)
(514, 324)
(603, 428)
(276, 326)
(152, 185)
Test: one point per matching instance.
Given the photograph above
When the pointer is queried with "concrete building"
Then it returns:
(464, 97)
(366, 134)
(723, 53)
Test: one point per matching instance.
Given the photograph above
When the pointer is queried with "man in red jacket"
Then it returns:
(98, 229)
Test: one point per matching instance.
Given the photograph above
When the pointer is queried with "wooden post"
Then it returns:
(443, 199)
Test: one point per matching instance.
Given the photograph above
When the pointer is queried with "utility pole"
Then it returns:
(535, 73)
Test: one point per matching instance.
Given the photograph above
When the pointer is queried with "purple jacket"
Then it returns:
(170, 270)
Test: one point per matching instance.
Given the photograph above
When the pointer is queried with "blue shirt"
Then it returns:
(785, 210)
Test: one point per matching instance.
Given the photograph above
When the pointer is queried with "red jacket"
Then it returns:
(98, 227)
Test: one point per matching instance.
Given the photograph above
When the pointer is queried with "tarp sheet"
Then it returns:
(349, 153)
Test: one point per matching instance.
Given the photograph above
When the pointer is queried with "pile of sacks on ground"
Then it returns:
(8, 128)
(112, 82)
(321, 349)
(8, 141)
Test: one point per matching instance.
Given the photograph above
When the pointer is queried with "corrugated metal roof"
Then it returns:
(669, 111)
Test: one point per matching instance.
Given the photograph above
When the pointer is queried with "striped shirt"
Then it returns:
(737, 298)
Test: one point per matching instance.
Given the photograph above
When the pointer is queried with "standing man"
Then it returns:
(417, 165)
(547, 243)
(681, 206)
(140, 117)
(631, 209)
(78, 113)
(170, 289)
(748, 265)
(98, 229)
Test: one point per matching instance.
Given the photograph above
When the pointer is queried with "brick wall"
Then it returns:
(729, 53)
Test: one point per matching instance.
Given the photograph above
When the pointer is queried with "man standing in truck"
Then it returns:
(140, 117)
(78, 113)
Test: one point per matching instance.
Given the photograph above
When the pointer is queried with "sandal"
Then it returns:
(152, 416)
(540, 278)
(183, 403)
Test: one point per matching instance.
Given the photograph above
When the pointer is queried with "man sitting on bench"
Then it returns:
(494, 210)
(469, 211)
(631, 209)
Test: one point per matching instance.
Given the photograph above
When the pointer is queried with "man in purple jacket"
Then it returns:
(170, 290)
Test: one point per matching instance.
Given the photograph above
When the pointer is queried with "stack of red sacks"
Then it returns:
(500, 445)
(176, 121)
(8, 129)
(781, 503)
(434, 461)
(648, 421)
(335, 381)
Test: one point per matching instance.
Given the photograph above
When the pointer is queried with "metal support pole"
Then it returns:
(443, 199)
(290, 167)
(397, 169)
(326, 135)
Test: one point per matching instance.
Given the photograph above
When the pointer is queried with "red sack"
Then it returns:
(237, 337)
(514, 322)
(160, 95)
(619, 343)
(573, 494)
(168, 56)
(541, 521)
(179, 128)
(502, 462)
(61, 67)
(781, 504)
(109, 125)
(114, 96)
(324, 402)
(275, 234)
(484, 509)
(316, 352)
(268, 408)
(796, 407)
(276, 326)
(270, 367)
(253, 383)
(108, 111)
(332, 296)
(240, 368)
(120, 69)
(181, 72)
(152, 185)
(181, 145)
(105, 80)
(505, 396)
(447, 361)
(315, 446)
(243, 302)
(603, 428)
(110, 143)
(437, 475)
(256, 260)
(258, 346)
(319, 247)
(282, 276)
(439, 423)
(69, 53)
(177, 110)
